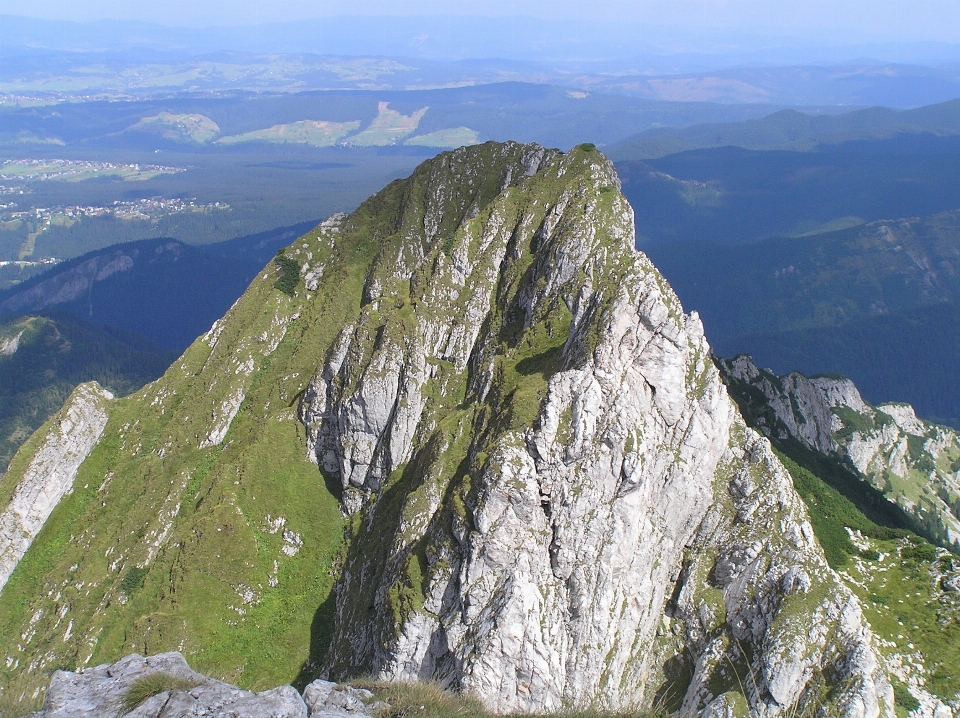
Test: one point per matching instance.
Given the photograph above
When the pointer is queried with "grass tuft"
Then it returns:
(429, 700)
(152, 685)
(23, 706)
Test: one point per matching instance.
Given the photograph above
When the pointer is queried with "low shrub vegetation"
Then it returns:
(903, 698)
(289, 274)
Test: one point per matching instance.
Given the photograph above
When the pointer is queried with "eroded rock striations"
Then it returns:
(50, 472)
(916, 464)
(549, 498)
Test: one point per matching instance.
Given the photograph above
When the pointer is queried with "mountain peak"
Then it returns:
(464, 434)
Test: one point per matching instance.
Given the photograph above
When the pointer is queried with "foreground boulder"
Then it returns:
(164, 686)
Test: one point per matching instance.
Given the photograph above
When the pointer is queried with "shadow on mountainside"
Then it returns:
(321, 627)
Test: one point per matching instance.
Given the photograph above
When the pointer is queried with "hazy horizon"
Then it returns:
(718, 35)
(813, 20)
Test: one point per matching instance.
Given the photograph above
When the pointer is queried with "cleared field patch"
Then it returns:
(181, 128)
(311, 132)
(79, 170)
(387, 128)
(450, 137)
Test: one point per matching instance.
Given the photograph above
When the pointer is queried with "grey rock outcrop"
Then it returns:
(10, 345)
(804, 404)
(51, 472)
(177, 691)
(325, 699)
(827, 414)
(558, 504)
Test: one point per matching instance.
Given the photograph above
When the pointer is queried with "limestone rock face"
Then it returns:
(827, 414)
(51, 472)
(362, 431)
(555, 502)
(10, 345)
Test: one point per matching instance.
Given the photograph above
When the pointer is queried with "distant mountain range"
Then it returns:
(519, 110)
(124, 74)
(879, 303)
(599, 44)
(729, 195)
(162, 290)
(126, 58)
(795, 131)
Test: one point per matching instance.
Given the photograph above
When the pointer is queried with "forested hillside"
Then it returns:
(42, 359)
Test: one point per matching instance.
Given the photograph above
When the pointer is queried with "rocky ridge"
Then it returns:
(549, 498)
(916, 464)
(50, 471)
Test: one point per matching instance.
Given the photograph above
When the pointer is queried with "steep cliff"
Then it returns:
(916, 464)
(481, 412)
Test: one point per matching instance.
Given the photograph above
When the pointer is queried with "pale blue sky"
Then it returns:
(905, 20)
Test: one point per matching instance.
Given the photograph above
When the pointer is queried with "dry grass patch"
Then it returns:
(153, 684)
(429, 700)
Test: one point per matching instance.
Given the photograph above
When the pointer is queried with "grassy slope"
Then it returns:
(183, 128)
(312, 132)
(896, 575)
(174, 300)
(452, 137)
(147, 476)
